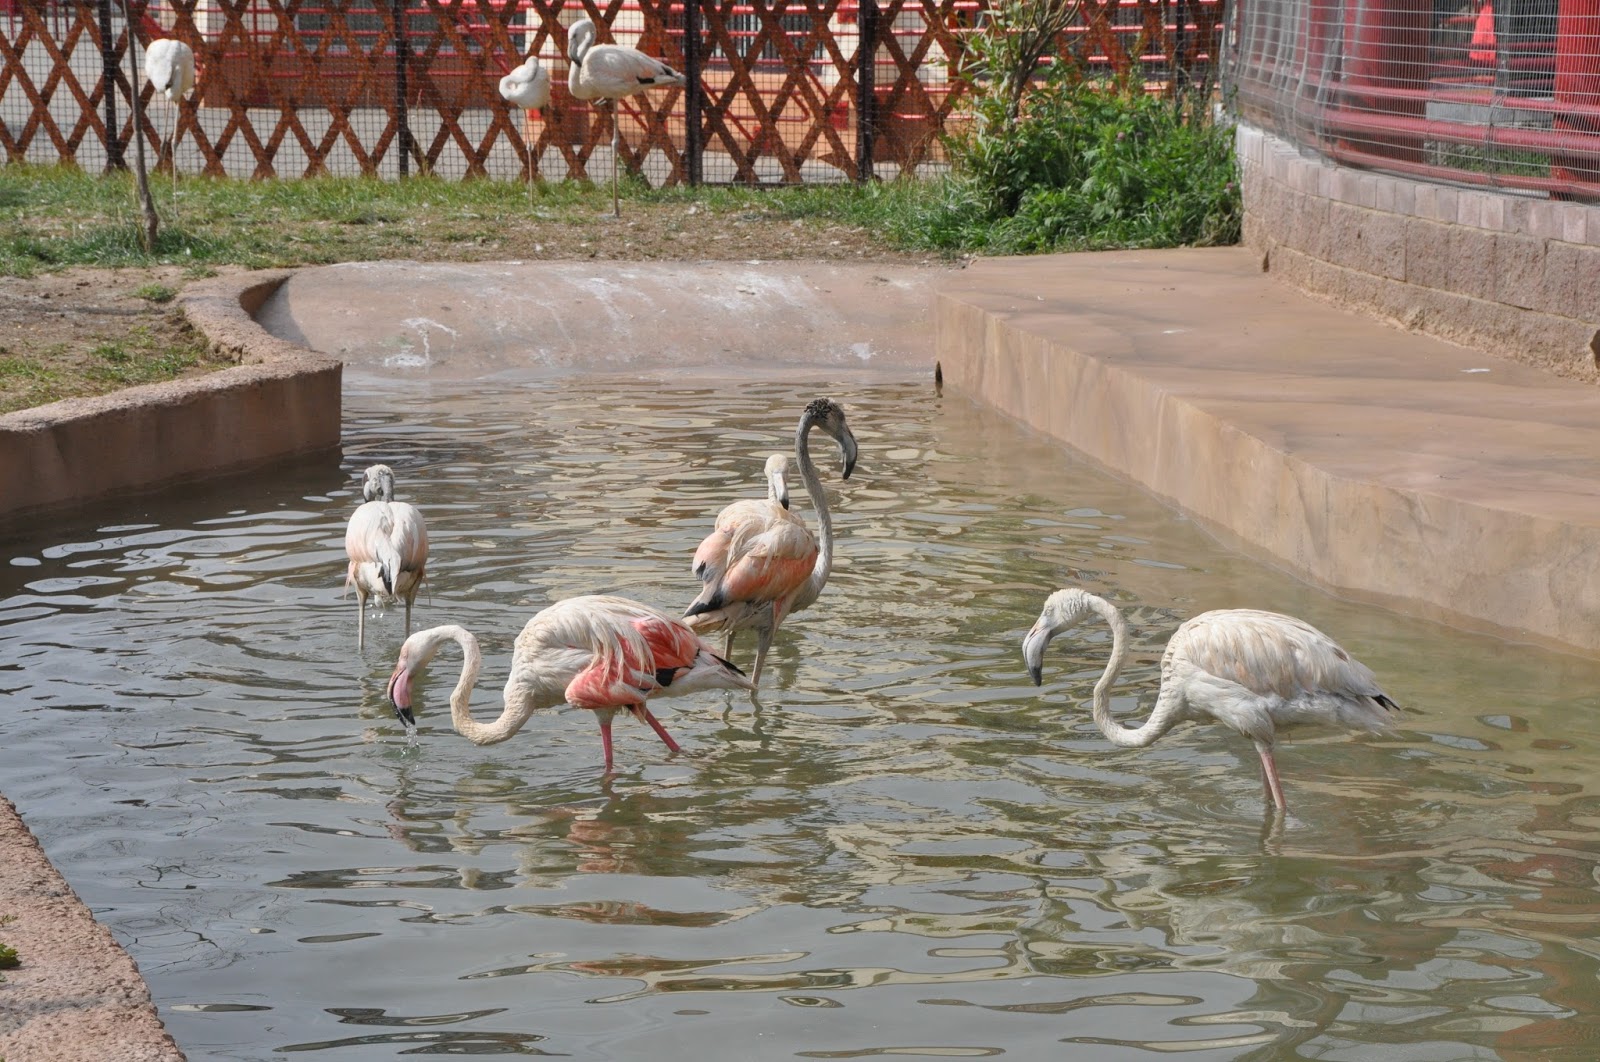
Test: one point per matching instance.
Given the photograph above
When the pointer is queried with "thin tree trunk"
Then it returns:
(152, 221)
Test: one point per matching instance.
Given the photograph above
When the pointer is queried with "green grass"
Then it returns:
(156, 293)
(54, 217)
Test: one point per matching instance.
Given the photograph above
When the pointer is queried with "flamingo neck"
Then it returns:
(1161, 718)
(819, 501)
(511, 717)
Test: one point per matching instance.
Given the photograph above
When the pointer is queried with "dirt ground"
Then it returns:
(91, 331)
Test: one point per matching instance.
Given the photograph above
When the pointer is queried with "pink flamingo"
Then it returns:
(760, 563)
(607, 654)
(611, 72)
(387, 543)
(1257, 672)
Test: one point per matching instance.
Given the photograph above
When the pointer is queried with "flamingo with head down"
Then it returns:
(607, 654)
(1257, 672)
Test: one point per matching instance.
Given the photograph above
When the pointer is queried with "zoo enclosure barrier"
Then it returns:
(779, 91)
(1498, 93)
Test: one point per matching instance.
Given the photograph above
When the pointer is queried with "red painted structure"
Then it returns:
(1505, 93)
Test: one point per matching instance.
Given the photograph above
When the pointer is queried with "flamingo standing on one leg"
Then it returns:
(609, 72)
(607, 654)
(528, 87)
(770, 566)
(169, 67)
(387, 543)
(1257, 672)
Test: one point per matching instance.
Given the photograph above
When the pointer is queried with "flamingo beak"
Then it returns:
(1033, 652)
(399, 693)
(781, 484)
(847, 447)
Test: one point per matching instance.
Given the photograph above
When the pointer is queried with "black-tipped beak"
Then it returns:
(1033, 652)
(402, 712)
(784, 501)
(848, 446)
(1036, 672)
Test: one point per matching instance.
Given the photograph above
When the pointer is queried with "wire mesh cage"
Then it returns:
(1501, 93)
(778, 91)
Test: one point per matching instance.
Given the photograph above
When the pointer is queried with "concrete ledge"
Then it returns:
(76, 995)
(282, 401)
(1491, 269)
(1381, 464)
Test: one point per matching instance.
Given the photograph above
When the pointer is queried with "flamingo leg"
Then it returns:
(655, 724)
(763, 643)
(409, 598)
(616, 207)
(605, 737)
(727, 645)
(361, 619)
(1269, 775)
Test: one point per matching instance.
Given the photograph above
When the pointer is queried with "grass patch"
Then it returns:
(156, 293)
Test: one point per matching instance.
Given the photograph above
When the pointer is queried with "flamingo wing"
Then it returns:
(617, 70)
(773, 567)
(1273, 655)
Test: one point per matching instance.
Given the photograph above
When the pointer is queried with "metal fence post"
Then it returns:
(402, 56)
(693, 144)
(108, 66)
(866, 88)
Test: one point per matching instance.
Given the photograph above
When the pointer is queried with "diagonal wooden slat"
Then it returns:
(316, 81)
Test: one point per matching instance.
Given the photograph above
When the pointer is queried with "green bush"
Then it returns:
(1048, 161)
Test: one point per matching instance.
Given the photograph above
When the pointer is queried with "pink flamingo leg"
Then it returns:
(655, 724)
(605, 738)
(1269, 774)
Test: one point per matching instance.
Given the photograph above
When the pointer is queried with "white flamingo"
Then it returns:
(607, 654)
(1257, 672)
(609, 72)
(527, 87)
(387, 543)
(762, 565)
(169, 67)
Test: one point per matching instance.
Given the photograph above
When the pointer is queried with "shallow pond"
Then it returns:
(904, 849)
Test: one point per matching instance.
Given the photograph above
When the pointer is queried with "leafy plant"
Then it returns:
(157, 293)
(1049, 161)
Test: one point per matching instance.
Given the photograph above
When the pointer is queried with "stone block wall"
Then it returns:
(1510, 274)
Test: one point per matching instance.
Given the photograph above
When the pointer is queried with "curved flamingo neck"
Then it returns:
(819, 501)
(1162, 717)
(511, 716)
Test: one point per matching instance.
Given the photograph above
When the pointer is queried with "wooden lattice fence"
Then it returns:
(779, 90)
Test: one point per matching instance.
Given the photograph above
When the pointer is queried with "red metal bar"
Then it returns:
(1577, 82)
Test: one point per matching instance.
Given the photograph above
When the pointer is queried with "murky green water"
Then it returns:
(905, 850)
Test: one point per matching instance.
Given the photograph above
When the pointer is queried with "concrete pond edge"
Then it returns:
(279, 401)
(76, 993)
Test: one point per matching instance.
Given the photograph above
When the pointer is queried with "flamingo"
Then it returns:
(387, 543)
(1257, 672)
(528, 87)
(609, 72)
(169, 67)
(762, 565)
(607, 654)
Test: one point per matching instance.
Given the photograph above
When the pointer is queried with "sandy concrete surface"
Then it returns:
(1382, 464)
(410, 320)
(77, 996)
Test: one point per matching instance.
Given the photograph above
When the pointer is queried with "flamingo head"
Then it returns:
(828, 415)
(777, 473)
(580, 38)
(378, 484)
(1061, 612)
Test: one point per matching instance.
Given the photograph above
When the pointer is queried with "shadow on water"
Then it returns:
(900, 848)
